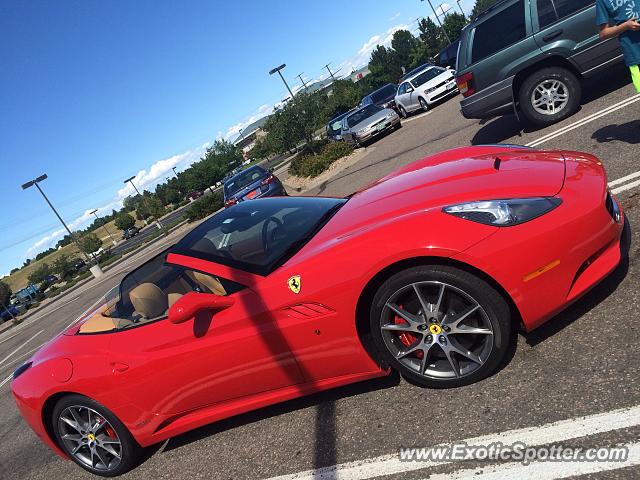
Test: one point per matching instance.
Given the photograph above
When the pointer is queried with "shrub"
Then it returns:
(314, 165)
(204, 206)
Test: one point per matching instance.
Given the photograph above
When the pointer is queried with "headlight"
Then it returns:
(363, 130)
(391, 114)
(504, 213)
(430, 89)
(21, 369)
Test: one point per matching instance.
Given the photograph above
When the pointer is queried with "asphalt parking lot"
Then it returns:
(582, 363)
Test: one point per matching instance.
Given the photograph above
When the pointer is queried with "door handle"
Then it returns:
(119, 367)
(550, 36)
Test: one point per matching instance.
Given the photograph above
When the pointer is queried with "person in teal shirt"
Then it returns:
(620, 18)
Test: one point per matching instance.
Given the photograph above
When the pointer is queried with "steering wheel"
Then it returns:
(265, 231)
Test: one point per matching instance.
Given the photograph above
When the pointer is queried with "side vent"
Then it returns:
(305, 311)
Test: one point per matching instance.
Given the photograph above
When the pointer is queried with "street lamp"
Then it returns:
(330, 72)
(302, 80)
(174, 172)
(439, 22)
(104, 226)
(278, 70)
(130, 180)
(95, 269)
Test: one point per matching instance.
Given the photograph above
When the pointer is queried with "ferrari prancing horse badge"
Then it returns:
(294, 284)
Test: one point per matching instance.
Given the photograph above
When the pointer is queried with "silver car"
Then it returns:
(364, 124)
(424, 89)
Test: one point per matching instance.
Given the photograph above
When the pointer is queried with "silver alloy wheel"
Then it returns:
(436, 330)
(423, 104)
(90, 438)
(550, 96)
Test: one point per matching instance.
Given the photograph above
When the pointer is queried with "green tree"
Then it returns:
(89, 243)
(40, 273)
(403, 44)
(64, 266)
(154, 206)
(124, 221)
(385, 66)
(432, 37)
(453, 24)
(345, 95)
(481, 6)
(5, 293)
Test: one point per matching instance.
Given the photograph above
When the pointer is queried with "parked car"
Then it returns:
(415, 71)
(80, 264)
(425, 89)
(254, 182)
(364, 124)
(130, 233)
(48, 280)
(334, 128)
(194, 195)
(284, 297)
(8, 313)
(382, 97)
(448, 55)
(531, 57)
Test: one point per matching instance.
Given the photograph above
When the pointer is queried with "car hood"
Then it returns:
(443, 77)
(455, 176)
(372, 120)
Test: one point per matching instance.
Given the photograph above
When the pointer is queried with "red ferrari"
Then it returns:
(427, 271)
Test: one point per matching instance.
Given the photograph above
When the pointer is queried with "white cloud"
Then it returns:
(393, 17)
(234, 130)
(45, 243)
(364, 53)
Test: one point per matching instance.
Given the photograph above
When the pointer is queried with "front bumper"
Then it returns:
(547, 263)
(449, 88)
(389, 124)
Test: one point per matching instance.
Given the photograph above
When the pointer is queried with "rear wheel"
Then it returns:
(93, 437)
(440, 326)
(549, 95)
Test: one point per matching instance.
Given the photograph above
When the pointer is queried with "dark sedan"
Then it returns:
(254, 182)
(382, 97)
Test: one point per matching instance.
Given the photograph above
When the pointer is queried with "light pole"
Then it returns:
(174, 172)
(278, 70)
(460, 7)
(104, 226)
(302, 80)
(439, 22)
(130, 180)
(330, 72)
(96, 270)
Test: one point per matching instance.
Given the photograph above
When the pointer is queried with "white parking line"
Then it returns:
(21, 345)
(3, 382)
(590, 118)
(411, 119)
(534, 436)
(613, 183)
(542, 470)
(628, 186)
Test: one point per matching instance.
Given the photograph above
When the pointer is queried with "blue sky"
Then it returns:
(95, 91)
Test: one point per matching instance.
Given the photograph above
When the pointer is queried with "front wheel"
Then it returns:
(549, 95)
(440, 326)
(423, 104)
(93, 437)
(402, 111)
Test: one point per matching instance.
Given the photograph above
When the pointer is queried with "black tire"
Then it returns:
(492, 305)
(398, 126)
(129, 448)
(569, 82)
(423, 104)
(402, 111)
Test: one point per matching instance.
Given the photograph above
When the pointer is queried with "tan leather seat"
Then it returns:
(173, 298)
(149, 300)
(211, 283)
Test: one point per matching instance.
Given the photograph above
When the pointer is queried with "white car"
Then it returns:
(424, 89)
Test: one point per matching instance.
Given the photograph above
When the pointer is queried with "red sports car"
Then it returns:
(427, 271)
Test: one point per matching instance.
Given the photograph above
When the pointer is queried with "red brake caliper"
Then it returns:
(407, 338)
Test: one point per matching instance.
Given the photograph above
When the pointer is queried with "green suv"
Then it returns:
(530, 57)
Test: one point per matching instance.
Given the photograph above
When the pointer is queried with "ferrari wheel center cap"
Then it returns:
(435, 329)
(91, 437)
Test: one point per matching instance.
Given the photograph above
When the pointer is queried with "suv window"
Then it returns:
(550, 11)
(403, 89)
(499, 31)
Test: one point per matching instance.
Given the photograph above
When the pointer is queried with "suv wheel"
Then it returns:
(402, 111)
(423, 104)
(550, 95)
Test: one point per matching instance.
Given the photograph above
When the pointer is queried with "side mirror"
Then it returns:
(409, 89)
(190, 304)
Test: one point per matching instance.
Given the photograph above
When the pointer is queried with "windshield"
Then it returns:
(259, 236)
(427, 75)
(362, 114)
(243, 179)
(385, 92)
